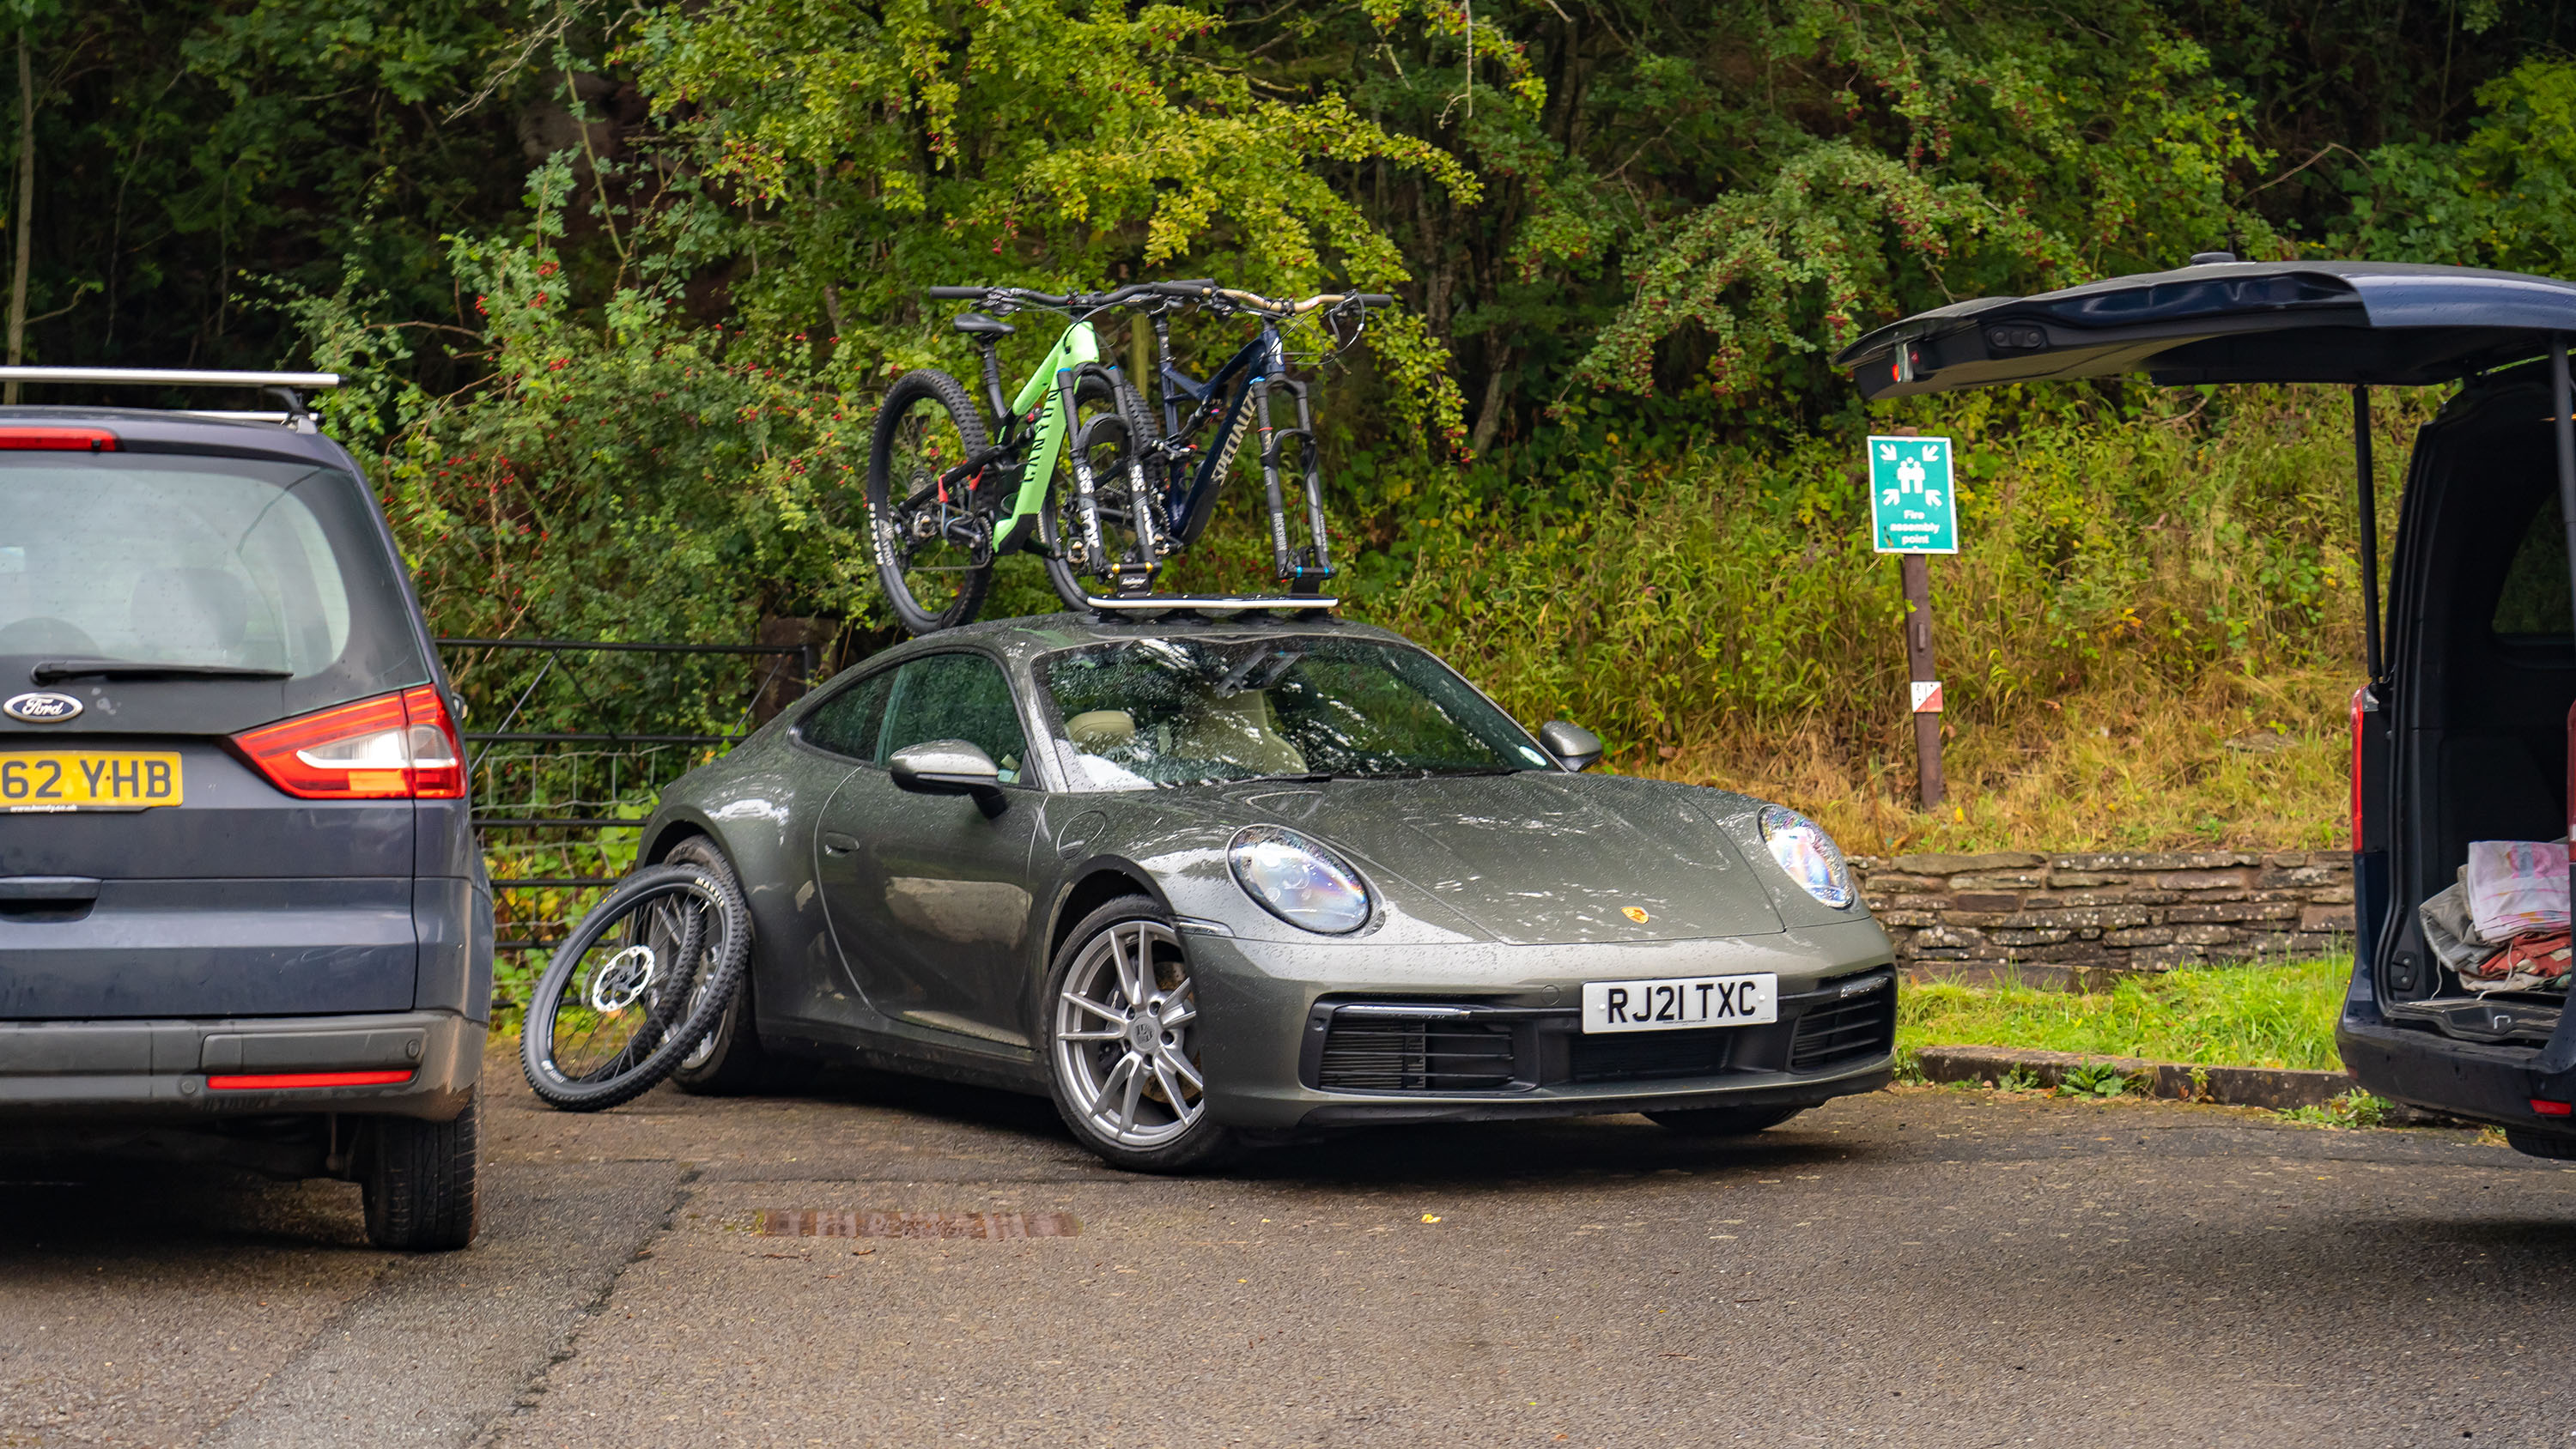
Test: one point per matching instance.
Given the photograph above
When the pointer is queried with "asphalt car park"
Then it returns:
(1911, 1266)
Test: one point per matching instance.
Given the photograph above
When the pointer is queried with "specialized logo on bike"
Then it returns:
(1233, 443)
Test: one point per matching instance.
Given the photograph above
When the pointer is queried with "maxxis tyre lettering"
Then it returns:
(419, 1190)
(930, 385)
(722, 964)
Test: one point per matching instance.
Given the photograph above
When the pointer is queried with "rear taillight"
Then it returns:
(2358, 697)
(2542, 1106)
(392, 747)
(59, 440)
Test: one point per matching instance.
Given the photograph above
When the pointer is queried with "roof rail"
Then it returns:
(169, 377)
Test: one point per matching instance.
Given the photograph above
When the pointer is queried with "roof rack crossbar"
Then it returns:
(169, 377)
(1216, 605)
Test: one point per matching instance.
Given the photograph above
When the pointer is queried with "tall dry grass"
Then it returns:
(2147, 640)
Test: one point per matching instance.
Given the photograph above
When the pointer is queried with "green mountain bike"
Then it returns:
(951, 487)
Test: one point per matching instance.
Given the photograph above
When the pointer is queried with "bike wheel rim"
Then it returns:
(1126, 1036)
(628, 985)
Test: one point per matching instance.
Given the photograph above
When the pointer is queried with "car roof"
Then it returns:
(1030, 637)
(2380, 323)
(156, 430)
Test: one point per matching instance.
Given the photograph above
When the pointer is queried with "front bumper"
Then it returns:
(181, 1069)
(1270, 1013)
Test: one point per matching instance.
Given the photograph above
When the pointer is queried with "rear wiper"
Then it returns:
(53, 670)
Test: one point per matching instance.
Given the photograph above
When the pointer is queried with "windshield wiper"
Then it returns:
(53, 670)
(1316, 779)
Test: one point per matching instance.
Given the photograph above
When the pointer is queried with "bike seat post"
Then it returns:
(991, 347)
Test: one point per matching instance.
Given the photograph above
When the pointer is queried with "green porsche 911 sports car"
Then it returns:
(1211, 882)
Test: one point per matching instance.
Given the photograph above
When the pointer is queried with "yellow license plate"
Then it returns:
(88, 779)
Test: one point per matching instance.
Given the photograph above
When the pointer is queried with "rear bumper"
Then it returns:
(2422, 1068)
(196, 1068)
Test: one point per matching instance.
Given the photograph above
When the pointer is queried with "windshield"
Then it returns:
(1160, 712)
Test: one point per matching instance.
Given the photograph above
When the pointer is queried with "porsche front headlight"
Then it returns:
(1809, 855)
(1299, 880)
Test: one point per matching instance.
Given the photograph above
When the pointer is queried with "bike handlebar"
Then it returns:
(1203, 290)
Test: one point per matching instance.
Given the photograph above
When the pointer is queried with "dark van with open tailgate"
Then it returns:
(2461, 737)
(242, 914)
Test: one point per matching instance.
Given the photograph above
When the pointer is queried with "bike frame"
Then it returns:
(1236, 398)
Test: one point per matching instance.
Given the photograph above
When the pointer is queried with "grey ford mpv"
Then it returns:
(242, 913)
(2461, 733)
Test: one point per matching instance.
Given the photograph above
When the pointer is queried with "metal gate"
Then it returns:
(586, 735)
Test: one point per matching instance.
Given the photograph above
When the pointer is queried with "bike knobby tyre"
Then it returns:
(620, 1004)
(927, 425)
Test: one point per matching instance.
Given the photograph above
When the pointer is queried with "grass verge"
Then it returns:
(2249, 1016)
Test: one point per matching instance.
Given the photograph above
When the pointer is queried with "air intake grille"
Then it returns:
(1396, 1054)
(1864, 1026)
(1650, 1055)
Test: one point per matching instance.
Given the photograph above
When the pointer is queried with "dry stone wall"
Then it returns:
(2081, 920)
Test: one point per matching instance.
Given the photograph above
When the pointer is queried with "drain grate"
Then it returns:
(805, 1223)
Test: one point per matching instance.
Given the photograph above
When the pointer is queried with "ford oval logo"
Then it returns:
(42, 707)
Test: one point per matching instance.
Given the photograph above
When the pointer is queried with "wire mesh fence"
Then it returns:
(569, 742)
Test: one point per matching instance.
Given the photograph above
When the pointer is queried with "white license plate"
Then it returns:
(1674, 1003)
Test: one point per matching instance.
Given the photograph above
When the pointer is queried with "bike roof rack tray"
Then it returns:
(1214, 606)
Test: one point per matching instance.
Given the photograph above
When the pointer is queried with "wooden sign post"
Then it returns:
(1914, 513)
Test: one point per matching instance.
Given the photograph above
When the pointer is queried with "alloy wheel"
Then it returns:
(1126, 1040)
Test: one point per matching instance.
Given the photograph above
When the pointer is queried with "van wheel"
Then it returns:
(731, 1060)
(1722, 1121)
(2541, 1144)
(419, 1187)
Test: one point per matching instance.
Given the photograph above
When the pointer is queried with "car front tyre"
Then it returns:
(1722, 1121)
(1123, 1043)
(419, 1186)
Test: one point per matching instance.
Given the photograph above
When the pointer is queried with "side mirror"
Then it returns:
(1578, 748)
(948, 767)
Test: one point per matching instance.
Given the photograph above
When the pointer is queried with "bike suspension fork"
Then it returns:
(1086, 507)
(1321, 562)
(1270, 477)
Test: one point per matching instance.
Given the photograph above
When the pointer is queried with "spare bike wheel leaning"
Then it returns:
(621, 1002)
(934, 555)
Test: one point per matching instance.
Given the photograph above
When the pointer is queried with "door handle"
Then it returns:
(835, 843)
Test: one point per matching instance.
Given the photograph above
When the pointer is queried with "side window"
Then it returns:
(849, 722)
(958, 697)
(2534, 600)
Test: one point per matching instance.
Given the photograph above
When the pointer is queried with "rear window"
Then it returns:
(2534, 601)
(176, 560)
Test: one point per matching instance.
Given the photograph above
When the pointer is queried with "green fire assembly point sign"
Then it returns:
(1911, 506)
